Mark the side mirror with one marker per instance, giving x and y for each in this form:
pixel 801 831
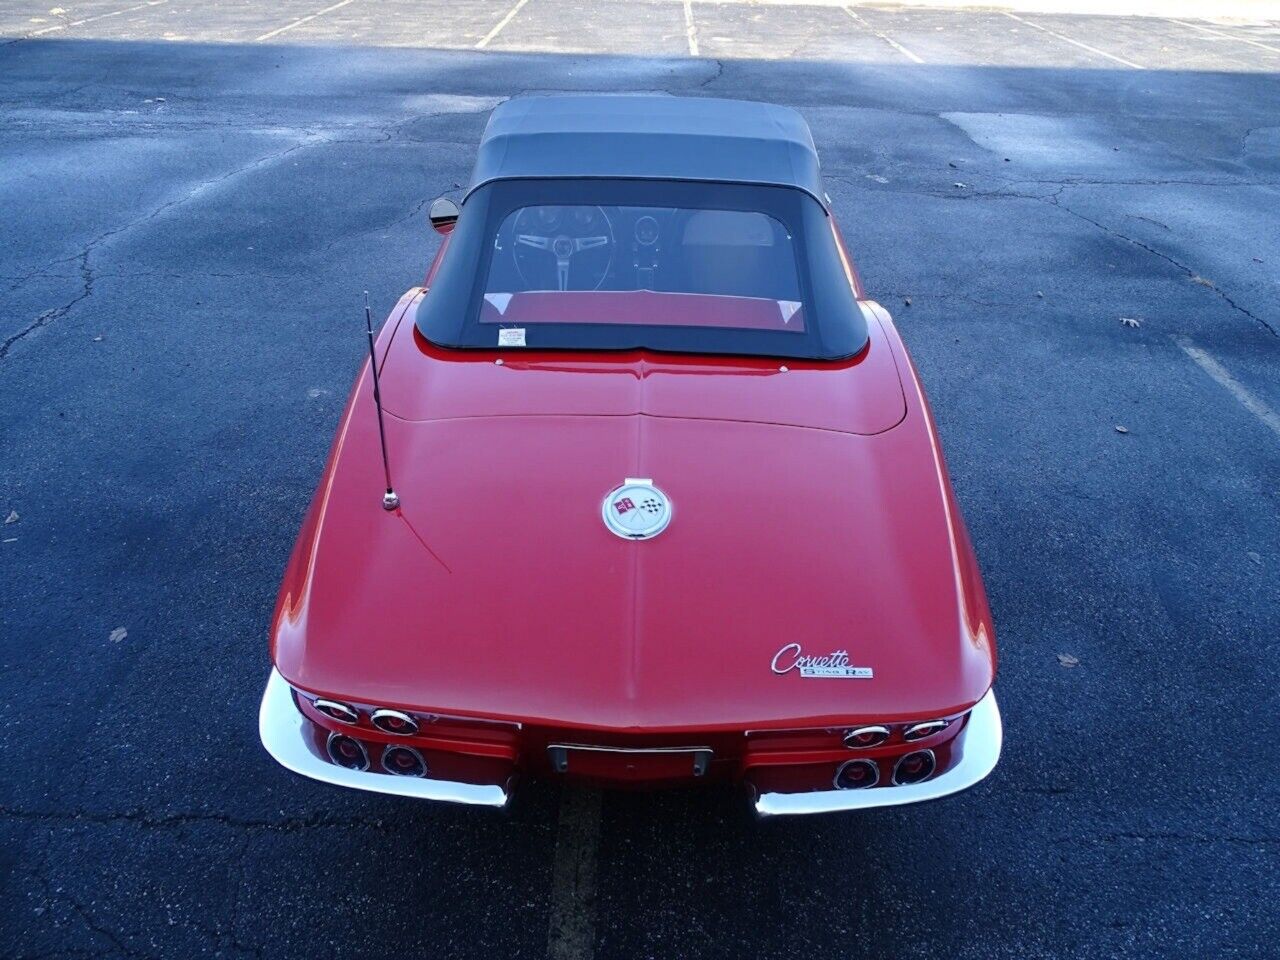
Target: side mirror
pixel 443 214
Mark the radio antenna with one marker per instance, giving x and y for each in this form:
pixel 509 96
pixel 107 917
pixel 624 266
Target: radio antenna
pixel 389 499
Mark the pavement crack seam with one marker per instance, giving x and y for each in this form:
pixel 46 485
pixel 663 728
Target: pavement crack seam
pixel 233 937
pixel 153 821
pixel 716 75
pixel 1148 182
pixel 1189 838
pixel 1055 199
pixel 571 926
pixel 56 313
pixel 86 272
pixel 1190 273
pixel 54 895
pixel 411 215
pixel 380 134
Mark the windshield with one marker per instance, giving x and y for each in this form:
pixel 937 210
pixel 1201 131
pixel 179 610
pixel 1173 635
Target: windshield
pixel 663 265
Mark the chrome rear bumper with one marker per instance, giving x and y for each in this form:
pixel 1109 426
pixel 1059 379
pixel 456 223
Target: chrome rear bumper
pixel 285 735
pixel 982 738
pixel 283 730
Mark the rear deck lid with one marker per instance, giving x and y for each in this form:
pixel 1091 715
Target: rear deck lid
pixel 423 382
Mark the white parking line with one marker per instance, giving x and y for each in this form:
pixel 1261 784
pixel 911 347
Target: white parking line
pixel 571 930
pixel 1237 389
pixel 300 21
pixel 1082 46
pixel 889 40
pixel 101 16
pixel 484 42
pixel 690 31
pixel 1226 36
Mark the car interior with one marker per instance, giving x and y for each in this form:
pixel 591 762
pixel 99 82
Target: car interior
pixel 733 253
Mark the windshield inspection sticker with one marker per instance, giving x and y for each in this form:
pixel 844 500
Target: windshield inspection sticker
pixel 511 337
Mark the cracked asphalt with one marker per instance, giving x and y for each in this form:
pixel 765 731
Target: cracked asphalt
pixel 194 196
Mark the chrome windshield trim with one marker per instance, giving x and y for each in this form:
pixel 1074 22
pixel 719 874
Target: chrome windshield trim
pixel 282 728
pixel 983 735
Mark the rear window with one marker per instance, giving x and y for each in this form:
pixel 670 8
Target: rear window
pixel 663 265
pixel 580 263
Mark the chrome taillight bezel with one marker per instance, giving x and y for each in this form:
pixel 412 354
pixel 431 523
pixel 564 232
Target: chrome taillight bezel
pixel 337 710
pixel 924 730
pixel 392 748
pixel 897 766
pixel 329 749
pixel 860 762
pixel 880 730
pixel 386 713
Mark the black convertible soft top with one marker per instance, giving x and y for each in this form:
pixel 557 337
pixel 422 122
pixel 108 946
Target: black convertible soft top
pixel 648 138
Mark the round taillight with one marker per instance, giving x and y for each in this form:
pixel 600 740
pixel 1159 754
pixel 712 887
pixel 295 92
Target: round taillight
pixel 336 711
pixel 864 737
pixel 404 762
pixel 347 752
pixel 856 774
pixel 914 767
pixel 918 731
pixel 393 721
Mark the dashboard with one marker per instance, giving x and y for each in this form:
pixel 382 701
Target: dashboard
pixel 588 247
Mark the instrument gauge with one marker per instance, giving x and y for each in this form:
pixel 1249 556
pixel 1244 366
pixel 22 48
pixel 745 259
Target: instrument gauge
pixel 646 231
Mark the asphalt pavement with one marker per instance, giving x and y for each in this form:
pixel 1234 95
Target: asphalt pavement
pixel 193 197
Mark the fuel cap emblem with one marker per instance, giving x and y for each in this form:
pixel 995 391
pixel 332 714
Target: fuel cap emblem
pixel 637 510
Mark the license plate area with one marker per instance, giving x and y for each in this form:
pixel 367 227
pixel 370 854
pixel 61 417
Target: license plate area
pixel 629 763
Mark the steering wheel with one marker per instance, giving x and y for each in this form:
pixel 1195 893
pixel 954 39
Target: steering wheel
pixel 575 241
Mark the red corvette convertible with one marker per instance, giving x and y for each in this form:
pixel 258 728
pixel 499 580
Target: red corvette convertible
pixel 638 488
